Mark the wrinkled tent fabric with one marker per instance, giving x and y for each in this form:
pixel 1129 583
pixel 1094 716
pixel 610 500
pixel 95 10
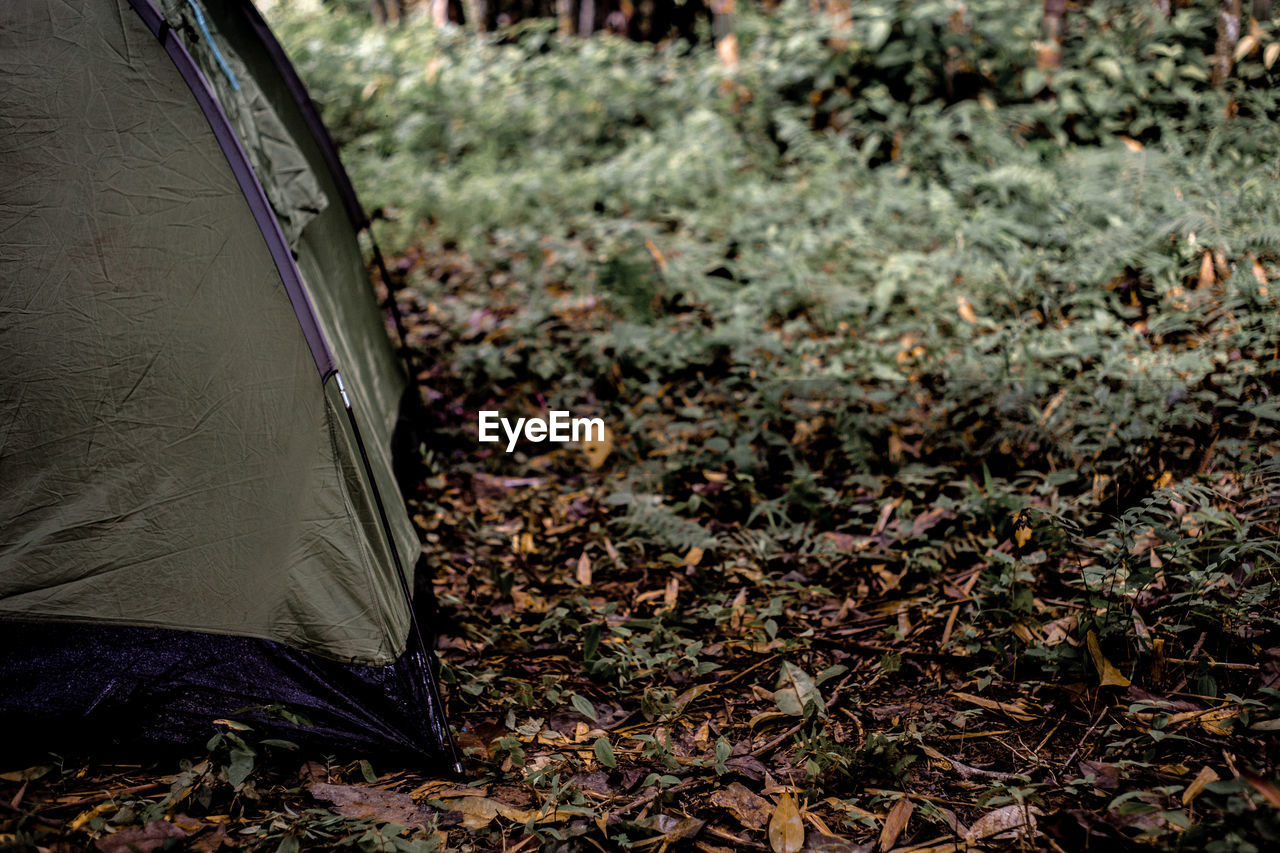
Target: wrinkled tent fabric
pixel 197 395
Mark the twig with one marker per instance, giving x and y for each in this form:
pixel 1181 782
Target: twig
pixel 1080 745
pixel 35 816
pixel 105 796
pixel 1250 667
pixel 773 744
pixel 966 590
pixel 641 802
pixel 968 771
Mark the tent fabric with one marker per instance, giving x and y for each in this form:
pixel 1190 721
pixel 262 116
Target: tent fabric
pixel 283 170
pixel 181 296
pixel 327 256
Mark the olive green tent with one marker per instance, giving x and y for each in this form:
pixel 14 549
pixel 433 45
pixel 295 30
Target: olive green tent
pixel 198 510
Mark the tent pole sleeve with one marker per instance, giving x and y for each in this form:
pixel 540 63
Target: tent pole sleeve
pixel 315 124
pixel 443 730
pixel 250 186
pixel 329 149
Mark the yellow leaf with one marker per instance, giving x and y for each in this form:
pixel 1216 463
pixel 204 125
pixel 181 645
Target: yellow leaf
pixel 1107 672
pixel 1022 528
pixel 895 822
pixel 597 451
pixel 1206 775
pixel 1272 53
pixel 522 543
pixel 693 557
pixel 84 817
pixel 786 830
pixel 965 310
pixel 1132 144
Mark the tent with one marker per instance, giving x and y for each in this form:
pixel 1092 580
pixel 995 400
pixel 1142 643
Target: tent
pixel 199 515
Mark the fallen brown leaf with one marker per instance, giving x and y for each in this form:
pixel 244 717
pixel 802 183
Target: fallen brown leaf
pixel 752 810
pixel 140 839
pixel 895 822
pixel 786 830
pixel 361 802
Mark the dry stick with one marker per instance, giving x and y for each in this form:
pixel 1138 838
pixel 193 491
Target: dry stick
pixel 1249 667
pixel 714 687
pixel 104 796
pixel 35 816
pixel 641 802
pixel 955 610
pixel 1080 745
pixel 968 771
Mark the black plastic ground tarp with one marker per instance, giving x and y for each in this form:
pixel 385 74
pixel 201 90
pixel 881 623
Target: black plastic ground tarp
pixel 121 690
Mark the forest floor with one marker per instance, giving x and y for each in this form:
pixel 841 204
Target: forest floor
pixel 609 690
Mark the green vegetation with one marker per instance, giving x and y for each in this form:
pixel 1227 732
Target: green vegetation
pixel 941 469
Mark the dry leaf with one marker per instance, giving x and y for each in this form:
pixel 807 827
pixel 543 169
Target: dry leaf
pixel 1015 819
pixel 1132 144
pixel 751 810
pixel 140 839
pixel 1060 631
pixel 357 801
pixel 479 812
pixel 1018 710
pixel 1259 273
pixel 1272 53
pixel 597 451
pixel 895 822
pixel 672 592
pixel 584 569
pixel 694 557
pixel 1205 279
pixel 1107 672
pixel 1206 775
pixel 965 310
pixel 786 830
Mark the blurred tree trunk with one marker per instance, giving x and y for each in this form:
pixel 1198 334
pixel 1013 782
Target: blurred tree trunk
pixel 564 17
pixel 586 17
pixel 1261 10
pixel 439 12
pixel 722 29
pixel 473 10
pixel 1228 35
pixel 1049 53
pixel 385 10
pixel 1165 7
